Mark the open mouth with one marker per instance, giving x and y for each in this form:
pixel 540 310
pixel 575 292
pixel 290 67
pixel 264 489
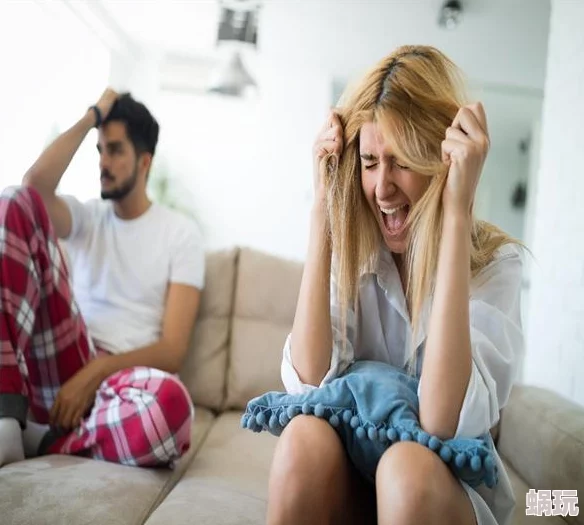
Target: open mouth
pixel 394 219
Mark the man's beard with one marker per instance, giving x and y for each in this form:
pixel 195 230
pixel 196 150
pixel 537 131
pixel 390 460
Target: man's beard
pixel 117 194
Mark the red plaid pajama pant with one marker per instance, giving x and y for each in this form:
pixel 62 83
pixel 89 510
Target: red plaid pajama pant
pixel 141 416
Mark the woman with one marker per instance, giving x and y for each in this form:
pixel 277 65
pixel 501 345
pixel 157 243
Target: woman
pixel 399 271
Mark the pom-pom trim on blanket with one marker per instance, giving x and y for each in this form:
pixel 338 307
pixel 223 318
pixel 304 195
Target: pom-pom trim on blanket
pixel 470 459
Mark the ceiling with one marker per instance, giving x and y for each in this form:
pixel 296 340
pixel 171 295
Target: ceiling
pixel 501 45
pixel 500 42
pixel 184 26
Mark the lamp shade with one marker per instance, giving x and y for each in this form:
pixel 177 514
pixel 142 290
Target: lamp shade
pixel 231 77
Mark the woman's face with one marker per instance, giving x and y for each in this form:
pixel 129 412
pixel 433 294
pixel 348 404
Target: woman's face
pixel 390 187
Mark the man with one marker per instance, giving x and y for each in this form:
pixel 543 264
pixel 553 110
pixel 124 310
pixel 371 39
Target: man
pixel 95 367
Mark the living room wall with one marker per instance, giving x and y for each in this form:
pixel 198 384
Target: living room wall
pixel 555 338
pixel 46 85
pixel 257 191
pixel 242 167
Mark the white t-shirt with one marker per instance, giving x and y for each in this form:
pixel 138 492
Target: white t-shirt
pixel 121 269
pixel 382 332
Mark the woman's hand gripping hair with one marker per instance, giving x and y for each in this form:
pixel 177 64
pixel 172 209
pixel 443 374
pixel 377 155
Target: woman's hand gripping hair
pixel 328 147
pixel 465 149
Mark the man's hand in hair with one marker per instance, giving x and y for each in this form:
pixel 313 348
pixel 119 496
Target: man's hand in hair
pixel 106 102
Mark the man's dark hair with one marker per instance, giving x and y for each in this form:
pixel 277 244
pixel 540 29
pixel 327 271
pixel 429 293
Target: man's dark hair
pixel 141 126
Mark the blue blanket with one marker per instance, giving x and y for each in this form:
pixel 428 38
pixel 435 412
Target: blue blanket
pixel 373 405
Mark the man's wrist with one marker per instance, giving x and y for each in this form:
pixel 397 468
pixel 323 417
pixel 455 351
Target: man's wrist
pixel 105 366
pixel 88 119
pixel 97 115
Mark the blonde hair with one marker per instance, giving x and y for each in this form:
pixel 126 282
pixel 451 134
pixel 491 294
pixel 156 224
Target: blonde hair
pixel 413 95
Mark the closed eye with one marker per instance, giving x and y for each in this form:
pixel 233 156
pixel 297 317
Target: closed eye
pixel 369 167
pixel 401 166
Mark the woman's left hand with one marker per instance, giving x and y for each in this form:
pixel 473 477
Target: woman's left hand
pixel 465 149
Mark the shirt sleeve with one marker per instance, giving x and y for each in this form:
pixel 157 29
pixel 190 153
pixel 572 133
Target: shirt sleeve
pixel 81 217
pixel 496 342
pixel 187 265
pixel 342 354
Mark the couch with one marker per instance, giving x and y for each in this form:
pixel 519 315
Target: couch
pixel 246 312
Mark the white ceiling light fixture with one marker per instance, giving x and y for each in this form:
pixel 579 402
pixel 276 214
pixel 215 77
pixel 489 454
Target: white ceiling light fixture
pixel 237 31
pixel 450 14
pixel 231 77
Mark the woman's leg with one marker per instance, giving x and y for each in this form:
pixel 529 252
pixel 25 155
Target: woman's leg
pixel 312 480
pixel 141 417
pixel 43 339
pixel 415 486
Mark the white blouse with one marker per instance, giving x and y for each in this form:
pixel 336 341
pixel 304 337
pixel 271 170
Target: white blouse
pixel 381 331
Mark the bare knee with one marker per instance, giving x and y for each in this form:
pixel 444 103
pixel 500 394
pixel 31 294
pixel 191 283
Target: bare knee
pixel 308 448
pixel 407 479
pixel 309 471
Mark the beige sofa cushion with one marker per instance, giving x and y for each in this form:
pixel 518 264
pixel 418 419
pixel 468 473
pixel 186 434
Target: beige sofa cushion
pixel 542 438
pixel 226 483
pixel 205 366
pixel 265 302
pixel 520 489
pixel 64 490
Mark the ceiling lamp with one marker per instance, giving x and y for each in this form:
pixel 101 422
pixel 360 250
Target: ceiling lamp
pixel 237 30
pixel 450 14
pixel 231 77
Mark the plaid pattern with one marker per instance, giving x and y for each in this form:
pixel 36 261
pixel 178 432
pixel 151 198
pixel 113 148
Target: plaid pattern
pixel 141 416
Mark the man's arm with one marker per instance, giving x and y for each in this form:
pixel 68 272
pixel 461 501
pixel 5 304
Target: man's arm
pixel 168 353
pixel 46 173
pixel 77 394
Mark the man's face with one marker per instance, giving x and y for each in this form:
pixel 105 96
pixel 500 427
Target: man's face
pixel 118 163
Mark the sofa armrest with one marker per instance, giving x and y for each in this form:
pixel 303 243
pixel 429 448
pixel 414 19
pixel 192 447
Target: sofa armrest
pixel 542 438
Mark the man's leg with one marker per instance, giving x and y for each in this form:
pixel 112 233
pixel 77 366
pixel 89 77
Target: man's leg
pixel 141 417
pixel 11 449
pixel 43 339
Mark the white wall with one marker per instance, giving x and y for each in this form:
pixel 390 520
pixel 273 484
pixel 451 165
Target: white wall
pixel 244 166
pixel 505 167
pixel 511 115
pixel 45 87
pixel 499 41
pixel 555 340
pixel 529 219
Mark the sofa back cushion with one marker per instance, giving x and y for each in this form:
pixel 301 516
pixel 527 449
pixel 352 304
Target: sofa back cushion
pixel 205 365
pixel 542 438
pixel 266 293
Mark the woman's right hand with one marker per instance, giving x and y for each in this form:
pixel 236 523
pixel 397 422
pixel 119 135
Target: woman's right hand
pixel 329 141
